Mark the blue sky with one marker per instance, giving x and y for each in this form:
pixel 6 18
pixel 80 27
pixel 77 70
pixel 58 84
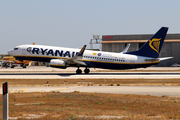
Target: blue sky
pixel 72 23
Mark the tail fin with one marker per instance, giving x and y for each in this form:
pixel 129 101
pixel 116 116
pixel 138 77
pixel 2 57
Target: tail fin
pixel 153 47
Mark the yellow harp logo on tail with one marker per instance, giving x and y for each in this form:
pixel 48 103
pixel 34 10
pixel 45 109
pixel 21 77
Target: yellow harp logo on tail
pixel 154 44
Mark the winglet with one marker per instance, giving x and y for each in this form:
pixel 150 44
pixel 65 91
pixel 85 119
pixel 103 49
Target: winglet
pixel 82 51
pixel 77 59
pixel 126 49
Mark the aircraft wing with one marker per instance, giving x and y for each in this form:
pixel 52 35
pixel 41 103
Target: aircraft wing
pixel 77 59
pixel 126 49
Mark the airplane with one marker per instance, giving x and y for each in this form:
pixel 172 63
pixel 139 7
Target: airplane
pixel 61 57
pixel 10 61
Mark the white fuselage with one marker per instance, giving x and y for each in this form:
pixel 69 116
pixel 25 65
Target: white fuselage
pixel 97 59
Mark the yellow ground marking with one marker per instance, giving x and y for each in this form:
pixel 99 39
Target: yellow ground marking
pixel 63 88
pixel 23 89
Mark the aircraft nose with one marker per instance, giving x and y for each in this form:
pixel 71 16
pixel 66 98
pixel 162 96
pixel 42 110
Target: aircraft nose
pixel 10 52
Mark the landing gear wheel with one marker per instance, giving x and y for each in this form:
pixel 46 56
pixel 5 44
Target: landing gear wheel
pixel 12 66
pixel 21 64
pixel 78 71
pixel 24 66
pixel 86 71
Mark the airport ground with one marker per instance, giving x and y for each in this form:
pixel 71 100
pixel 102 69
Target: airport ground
pixel 150 93
pixel 73 69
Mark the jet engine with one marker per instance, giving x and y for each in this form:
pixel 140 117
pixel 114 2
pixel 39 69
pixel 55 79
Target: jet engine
pixel 58 63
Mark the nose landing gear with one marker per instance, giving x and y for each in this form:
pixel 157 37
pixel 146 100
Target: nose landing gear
pixel 23 65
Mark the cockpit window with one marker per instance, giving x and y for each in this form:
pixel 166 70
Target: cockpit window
pixel 15 48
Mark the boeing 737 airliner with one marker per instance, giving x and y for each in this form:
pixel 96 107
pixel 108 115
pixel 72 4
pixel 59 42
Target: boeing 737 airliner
pixel 62 57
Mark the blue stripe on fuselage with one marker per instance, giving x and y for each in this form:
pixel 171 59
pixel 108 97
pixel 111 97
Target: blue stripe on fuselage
pixel 117 65
pixel 91 63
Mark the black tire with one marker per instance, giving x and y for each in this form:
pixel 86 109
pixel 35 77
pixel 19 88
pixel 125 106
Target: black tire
pixel 86 71
pixel 78 71
pixel 21 64
pixel 24 66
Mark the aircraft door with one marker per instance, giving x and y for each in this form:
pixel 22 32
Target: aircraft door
pixel 24 51
pixel 132 61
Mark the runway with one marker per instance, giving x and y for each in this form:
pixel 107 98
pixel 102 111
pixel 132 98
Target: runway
pixel 51 73
pixel 42 72
pixel 97 75
pixel 173 91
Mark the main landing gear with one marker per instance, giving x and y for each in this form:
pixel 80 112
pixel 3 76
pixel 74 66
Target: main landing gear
pixel 79 71
pixel 86 71
pixel 23 65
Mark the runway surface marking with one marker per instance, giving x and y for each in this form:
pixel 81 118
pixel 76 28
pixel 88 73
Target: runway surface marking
pixel 63 88
pixel 23 89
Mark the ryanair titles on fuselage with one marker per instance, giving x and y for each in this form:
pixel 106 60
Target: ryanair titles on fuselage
pixel 51 52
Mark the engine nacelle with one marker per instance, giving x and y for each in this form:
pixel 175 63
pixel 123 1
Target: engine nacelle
pixel 58 63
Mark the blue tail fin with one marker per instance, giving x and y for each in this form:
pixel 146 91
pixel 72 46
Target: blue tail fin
pixel 153 47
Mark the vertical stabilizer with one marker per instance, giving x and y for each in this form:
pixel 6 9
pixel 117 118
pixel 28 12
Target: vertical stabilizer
pixel 153 46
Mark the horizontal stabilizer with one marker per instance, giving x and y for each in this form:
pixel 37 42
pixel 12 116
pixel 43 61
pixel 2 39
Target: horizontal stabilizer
pixel 165 58
pixel 152 59
pixel 158 59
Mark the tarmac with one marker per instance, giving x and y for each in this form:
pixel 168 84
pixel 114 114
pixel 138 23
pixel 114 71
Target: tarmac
pixel 73 69
pixel 54 73
pixel 89 76
pixel 42 72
